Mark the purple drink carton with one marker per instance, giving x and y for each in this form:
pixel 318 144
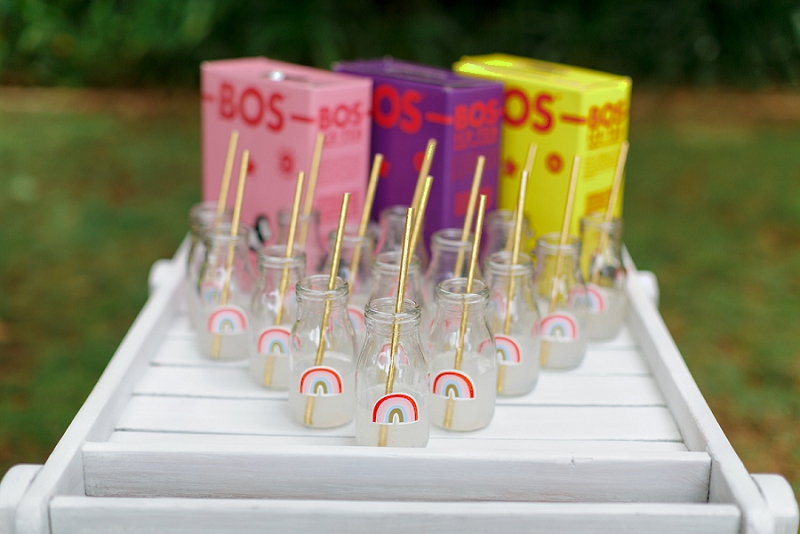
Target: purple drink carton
pixel 412 103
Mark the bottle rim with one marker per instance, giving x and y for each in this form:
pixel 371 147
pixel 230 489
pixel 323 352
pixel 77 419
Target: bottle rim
pixel 221 234
pixel 450 239
pixel 204 213
pixel 350 238
pixel 453 291
pixel 285 216
pixel 381 311
pixel 315 288
pixel 499 263
pixel 596 221
pixel 549 244
pixel 274 256
pixel 393 213
pixel 389 262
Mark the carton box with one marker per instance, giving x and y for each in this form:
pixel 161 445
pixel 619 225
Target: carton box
pixel 278 109
pixel 566 111
pixel 413 103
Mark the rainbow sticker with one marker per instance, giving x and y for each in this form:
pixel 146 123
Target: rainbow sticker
pixel 356 317
pixel 497 304
pixel 485 344
pixel 227 320
pixel 577 296
pixel 559 326
pixel 453 384
pixel 321 381
pixel 508 352
pixel 596 298
pixel 385 355
pixel 209 292
pixel 274 340
pixel 395 409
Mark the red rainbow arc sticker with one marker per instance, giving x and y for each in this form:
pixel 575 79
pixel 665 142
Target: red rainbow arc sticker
pixel 321 381
pixel 596 297
pixel 395 409
pixel 453 384
pixel 356 318
pixel 508 350
pixel 559 327
pixel 227 320
pixel 274 340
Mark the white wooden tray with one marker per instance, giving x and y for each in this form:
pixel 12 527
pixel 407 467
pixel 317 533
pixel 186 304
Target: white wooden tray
pixel 171 442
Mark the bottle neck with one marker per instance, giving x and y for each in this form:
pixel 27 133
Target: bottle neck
pixel 452 295
pixel 273 263
pixel 380 317
pixel 313 293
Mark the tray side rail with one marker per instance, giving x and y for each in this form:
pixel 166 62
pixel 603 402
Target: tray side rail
pixel 62 473
pixel 729 482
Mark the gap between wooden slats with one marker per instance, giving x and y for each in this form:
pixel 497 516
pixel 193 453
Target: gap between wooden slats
pixel 93 515
pixel 552 389
pixel 234 441
pixel 269 417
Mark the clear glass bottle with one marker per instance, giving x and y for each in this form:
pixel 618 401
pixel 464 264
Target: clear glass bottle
pixel 392 222
pixel 445 247
pixel 605 275
pixel 386 274
pixel 312 245
pixel 515 324
pixel 463 382
pixel 499 227
pixel 397 417
pixel 224 333
pixel 270 335
pixel 322 390
pixel 360 283
pixel 200 216
pixel 562 328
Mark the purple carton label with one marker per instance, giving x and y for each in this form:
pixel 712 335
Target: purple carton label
pixel 413 103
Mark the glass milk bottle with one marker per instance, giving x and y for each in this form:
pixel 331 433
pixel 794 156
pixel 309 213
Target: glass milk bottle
pixel 463 374
pixel 270 335
pixel 514 323
pixel 392 222
pixel 223 332
pixel 446 245
pixel 312 245
pixel 605 275
pixel 563 323
pixel 498 229
pixel 360 282
pixel 386 272
pixel 393 414
pixel 201 216
pixel 322 382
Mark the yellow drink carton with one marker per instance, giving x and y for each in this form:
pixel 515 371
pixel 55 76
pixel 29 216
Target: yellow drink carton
pixel 565 111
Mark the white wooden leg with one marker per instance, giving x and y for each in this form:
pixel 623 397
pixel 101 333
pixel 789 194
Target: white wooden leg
pixel 160 271
pixel 780 498
pixel 12 488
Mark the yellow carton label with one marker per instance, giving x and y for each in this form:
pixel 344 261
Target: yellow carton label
pixel 566 111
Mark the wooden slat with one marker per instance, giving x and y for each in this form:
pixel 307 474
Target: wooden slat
pixel 88 515
pixel 183 351
pixel 269 417
pixel 232 441
pixel 552 389
pixel 358 473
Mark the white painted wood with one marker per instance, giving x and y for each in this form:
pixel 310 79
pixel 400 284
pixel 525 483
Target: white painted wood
pixel 361 473
pixel 87 515
pixel 270 418
pixel 12 487
pixel 181 351
pixel 235 441
pixel 649 283
pixel 730 482
pixel 62 473
pixel 602 362
pixel 781 501
pixel 181 328
pixel 553 389
pixel 624 340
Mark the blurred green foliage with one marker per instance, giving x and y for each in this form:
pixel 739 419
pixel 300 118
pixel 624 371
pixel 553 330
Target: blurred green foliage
pixel 157 42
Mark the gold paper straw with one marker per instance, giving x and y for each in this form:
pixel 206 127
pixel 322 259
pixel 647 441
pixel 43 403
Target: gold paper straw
pixel 337 251
pixel 420 214
pixel 573 182
pixel 222 199
pixel 362 227
pixel 424 170
pixel 237 212
pixel 405 258
pixel 308 203
pixel 529 160
pixel 612 202
pixel 473 196
pixel 298 192
pixel 462 329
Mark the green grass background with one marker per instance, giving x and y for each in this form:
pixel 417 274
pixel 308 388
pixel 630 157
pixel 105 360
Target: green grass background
pixel 90 198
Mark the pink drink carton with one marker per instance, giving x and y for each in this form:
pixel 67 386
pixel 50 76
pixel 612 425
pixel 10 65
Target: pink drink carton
pixel 278 109
pixel 412 103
